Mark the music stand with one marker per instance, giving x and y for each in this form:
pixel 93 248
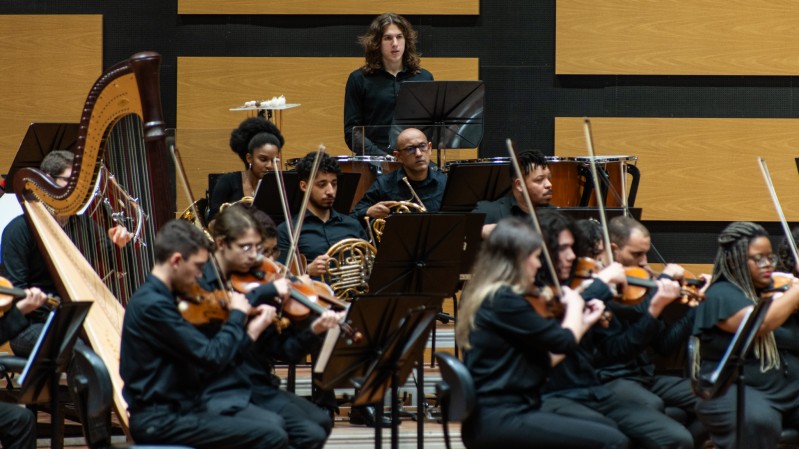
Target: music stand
pixel 395 329
pixel 267 198
pixel 420 254
pixel 449 112
pixel 716 383
pixel 50 357
pixel 469 183
pixel 39 140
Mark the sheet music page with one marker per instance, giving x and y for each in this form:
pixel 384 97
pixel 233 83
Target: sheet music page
pixel 327 349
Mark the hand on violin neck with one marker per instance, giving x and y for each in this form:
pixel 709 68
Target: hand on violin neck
pixel 283 288
pixel 263 318
pixel 326 321
pixel 240 302
pixel 613 274
pixel 673 271
pixel 668 291
pixel 593 312
pixel 34 298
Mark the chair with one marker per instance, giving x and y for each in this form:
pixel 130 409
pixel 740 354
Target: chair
pixel 90 387
pixel 456 393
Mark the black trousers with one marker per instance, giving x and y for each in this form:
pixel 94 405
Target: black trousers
pixel 250 428
pixel 17 427
pixel 764 419
pixel 646 427
pixel 520 426
pixel 22 344
pixel 307 424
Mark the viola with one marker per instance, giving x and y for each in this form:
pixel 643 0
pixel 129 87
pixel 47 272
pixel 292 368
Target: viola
pixel 9 294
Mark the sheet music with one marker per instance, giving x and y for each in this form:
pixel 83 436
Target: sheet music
pixel 327 349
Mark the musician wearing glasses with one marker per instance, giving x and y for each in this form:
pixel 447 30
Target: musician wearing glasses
pixel 371 93
pixel 413 151
pixel 742 273
pixel 322 226
pixel 537 181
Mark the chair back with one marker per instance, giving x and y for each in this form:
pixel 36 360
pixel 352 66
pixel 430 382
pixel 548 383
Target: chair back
pixel 456 393
pixel 90 387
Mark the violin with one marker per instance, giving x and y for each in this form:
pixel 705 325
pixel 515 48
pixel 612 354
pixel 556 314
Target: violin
pixel 638 282
pixel 780 283
pixel 303 298
pixel 545 303
pixel 9 295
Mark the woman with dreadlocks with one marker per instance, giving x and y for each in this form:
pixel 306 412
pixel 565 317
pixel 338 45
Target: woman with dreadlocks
pixel 742 270
pixel 509 349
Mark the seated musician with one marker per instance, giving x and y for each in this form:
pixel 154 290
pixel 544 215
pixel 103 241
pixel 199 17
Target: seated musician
pixel 23 263
pixel 257 142
pixel 574 388
pixel 537 180
pixel 413 151
pixel 371 92
pixel 166 362
pixel 17 423
pixel 742 270
pixel 510 349
pixel 787 263
pixel 322 226
pixel 633 378
pixel 240 240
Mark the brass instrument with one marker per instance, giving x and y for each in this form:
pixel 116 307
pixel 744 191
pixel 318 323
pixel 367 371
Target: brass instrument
pixel 376 226
pixel 349 268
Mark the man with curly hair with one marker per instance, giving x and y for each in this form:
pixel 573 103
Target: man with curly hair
pixel 371 93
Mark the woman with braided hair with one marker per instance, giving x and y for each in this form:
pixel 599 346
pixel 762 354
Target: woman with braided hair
pixel 742 270
pixel 257 142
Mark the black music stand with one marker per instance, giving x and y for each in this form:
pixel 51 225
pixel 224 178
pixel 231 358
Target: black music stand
pixel 469 183
pixel 267 198
pixel 49 358
pixel 450 113
pixel 730 367
pixel 395 329
pixel 39 140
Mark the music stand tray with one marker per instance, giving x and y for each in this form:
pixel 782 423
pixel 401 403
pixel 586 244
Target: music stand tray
pixel 52 351
pixel 267 198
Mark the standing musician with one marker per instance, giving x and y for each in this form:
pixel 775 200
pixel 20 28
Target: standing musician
pixel 633 378
pixel 537 180
pixel 240 240
pixel 574 388
pixel 371 93
pixel 509 349
pixel 413 151
pixel 22 261
pixel 257 142
pixel 166 362
pixel 17 423
pixel 323 226
pixel 742 270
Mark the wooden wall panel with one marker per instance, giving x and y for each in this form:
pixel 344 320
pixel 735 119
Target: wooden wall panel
pixel 49 63
pixel 677 37
pixel 367 7
pixel 698 169
pixel 209 86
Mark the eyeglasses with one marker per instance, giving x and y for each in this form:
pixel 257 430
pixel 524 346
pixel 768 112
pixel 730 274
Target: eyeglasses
pixel 764 260
pixel 246 248
pixel 411 149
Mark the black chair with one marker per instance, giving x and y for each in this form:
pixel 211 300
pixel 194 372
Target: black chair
pixel 90 387
pixel 456 393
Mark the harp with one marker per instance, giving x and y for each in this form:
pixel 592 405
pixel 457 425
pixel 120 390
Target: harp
pixel 119 176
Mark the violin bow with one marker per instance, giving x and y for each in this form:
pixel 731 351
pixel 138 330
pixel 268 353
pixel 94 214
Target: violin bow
pixel 778 207
pixel 295 233
pixel 284 204
pixel 600 202
pixel 530 210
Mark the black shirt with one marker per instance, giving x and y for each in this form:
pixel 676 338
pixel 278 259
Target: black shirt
pixel 498 209
pixel 164 360
pixel 23 264
pixel 369 100
pixel 390 187
pixel 511 342
pixel 723 300
pixel 227 189
pixel 317 236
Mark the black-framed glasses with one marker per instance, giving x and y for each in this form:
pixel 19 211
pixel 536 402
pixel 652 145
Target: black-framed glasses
pixel 411 149
pixel 764 260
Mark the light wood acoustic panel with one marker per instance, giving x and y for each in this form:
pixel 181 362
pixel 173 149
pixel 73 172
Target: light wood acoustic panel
pixel 698 169
pixel 677 37
pixel 209 86
pixel 350 7
pixel 49 63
